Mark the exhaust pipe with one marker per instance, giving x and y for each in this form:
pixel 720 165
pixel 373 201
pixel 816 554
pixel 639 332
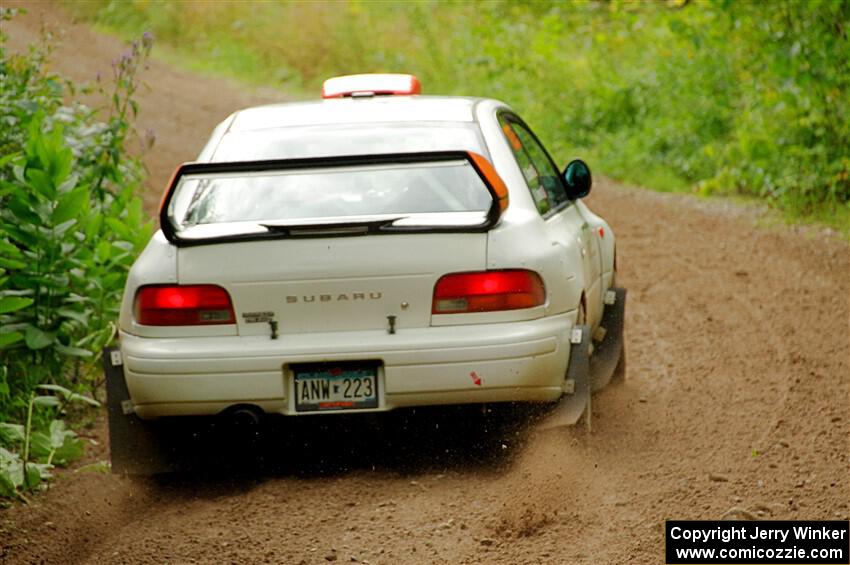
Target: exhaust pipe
pixel 245 417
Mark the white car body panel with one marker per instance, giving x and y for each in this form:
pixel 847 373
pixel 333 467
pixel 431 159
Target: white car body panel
pixel 332 296
pixel 324 284
pixel 386 109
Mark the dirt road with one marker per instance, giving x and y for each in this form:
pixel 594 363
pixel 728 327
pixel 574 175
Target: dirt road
pixel 736 402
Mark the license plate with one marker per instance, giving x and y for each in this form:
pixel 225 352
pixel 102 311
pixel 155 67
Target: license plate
pixel 333 386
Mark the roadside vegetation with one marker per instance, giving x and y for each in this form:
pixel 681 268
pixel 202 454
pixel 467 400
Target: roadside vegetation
pixel 717 97
pixel 70 226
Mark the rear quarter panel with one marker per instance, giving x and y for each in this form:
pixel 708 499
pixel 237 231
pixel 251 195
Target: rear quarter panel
pixel 520 240
pixel 158 265
pixel 606 241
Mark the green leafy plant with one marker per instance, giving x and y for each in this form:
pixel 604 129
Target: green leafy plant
pixel 71 225
pixel 39 451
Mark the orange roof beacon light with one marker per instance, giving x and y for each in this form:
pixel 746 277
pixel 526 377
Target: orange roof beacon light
pixel 352 86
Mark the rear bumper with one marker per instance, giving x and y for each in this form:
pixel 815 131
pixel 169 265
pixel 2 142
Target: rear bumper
pixel 515 361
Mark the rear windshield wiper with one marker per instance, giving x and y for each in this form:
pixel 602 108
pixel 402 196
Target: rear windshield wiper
pixel 333 227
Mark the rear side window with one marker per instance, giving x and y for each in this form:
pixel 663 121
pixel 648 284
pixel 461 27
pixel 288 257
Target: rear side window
pixel 540 174
pixel 448 191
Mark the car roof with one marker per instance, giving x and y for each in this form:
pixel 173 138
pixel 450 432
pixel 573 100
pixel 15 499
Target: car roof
pixel 358 110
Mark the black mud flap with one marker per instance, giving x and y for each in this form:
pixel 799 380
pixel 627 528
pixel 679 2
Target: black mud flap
pixel 134 444
pixel 607 352
pixel 577 394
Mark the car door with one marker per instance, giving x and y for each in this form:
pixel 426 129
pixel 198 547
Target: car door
pixel 564 221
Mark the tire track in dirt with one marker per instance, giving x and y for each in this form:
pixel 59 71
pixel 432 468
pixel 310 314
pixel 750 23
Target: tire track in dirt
pixel 736 396
pixel 775 346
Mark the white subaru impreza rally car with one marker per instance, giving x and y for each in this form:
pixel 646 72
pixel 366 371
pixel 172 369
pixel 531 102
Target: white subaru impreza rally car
pixel 374 250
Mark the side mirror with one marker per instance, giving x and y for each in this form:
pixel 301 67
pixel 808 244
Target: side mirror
pixel 577 179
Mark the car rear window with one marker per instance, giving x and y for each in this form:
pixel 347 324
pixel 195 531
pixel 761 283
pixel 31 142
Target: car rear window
pixel 422 193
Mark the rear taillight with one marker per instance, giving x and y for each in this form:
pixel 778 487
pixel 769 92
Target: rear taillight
pixel 488 291
pixel 183 305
